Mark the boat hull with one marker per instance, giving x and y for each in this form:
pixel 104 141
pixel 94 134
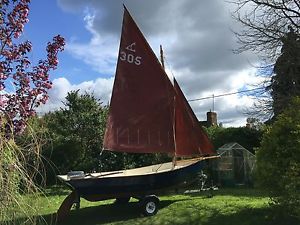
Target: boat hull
pixel 137 185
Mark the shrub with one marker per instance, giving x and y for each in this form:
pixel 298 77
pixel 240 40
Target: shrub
pixel 278 160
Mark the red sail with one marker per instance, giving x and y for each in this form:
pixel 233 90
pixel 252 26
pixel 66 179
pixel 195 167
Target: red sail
pixel 142 104
pixel 142 117
pixel 190 138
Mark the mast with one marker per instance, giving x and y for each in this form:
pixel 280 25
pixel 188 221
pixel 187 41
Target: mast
pixel 162 57
pixel 174 133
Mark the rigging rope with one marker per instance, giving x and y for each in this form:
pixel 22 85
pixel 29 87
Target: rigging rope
pixel 226 94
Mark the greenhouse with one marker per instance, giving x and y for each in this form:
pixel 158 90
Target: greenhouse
pixel 235 165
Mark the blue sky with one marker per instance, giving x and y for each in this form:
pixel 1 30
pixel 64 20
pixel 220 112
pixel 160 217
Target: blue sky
pixel 196 36
pixel 47 19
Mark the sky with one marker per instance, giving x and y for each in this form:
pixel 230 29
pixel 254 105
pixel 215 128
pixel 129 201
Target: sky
pixel 197 38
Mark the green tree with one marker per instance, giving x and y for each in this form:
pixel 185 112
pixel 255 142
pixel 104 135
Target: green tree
pixel 77 133
pixel 285 83
pixel 278 160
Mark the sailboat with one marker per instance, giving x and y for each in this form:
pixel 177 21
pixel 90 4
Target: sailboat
pixel 148 113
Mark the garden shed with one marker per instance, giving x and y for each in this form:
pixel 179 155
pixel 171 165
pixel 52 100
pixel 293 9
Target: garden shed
pixel 235 165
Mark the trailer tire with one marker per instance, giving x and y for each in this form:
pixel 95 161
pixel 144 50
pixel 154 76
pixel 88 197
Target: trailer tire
pixel 150 205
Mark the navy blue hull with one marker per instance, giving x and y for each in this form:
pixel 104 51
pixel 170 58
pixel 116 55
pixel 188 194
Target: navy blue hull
pixel 95 189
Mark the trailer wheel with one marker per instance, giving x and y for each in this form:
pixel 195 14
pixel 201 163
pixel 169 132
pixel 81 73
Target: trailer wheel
pixel 150 205
pixel 122 200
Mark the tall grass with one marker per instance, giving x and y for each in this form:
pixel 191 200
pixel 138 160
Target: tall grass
pixel 20 164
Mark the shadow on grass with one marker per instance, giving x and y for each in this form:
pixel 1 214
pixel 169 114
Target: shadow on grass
pixel 107 213
pixel 111 213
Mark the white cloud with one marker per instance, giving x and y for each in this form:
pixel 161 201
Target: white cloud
pixel 230 108
pixel 100 88
pixel 99 52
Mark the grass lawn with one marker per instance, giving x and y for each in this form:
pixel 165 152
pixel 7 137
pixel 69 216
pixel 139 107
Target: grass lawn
pixel 226 207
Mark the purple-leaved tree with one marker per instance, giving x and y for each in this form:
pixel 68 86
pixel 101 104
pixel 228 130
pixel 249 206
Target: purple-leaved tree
pixel 23 86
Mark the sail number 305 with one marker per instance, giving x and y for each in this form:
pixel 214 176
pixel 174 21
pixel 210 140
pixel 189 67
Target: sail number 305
pixel 128 57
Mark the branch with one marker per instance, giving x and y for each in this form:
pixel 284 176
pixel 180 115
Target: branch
pixel 275 6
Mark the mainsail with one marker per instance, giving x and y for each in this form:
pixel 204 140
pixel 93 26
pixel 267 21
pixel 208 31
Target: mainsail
pixel 149 114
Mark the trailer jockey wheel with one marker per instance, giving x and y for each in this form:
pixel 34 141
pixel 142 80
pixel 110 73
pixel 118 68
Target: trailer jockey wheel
pixel 77 205
pixel 150 205
pixel 76 202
